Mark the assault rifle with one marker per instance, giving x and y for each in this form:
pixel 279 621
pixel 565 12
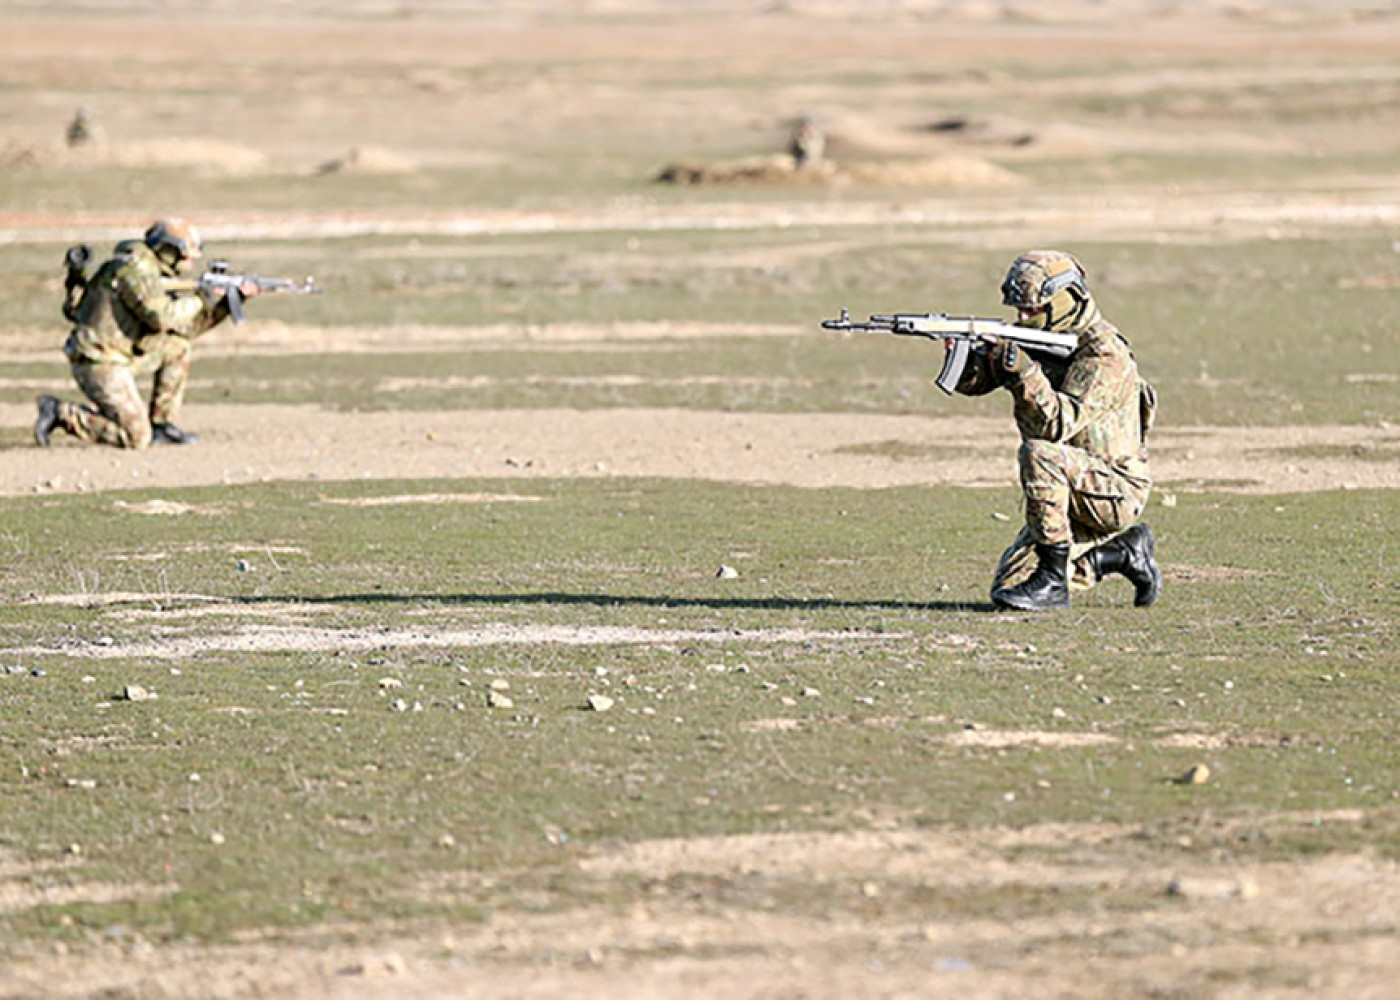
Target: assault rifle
pixel 965 335
pixel 219 281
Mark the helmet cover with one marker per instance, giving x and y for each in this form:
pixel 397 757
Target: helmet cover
pixel 178 235
pixel 1036 276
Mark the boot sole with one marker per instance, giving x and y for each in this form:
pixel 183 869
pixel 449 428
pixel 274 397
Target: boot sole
pixel 1005 603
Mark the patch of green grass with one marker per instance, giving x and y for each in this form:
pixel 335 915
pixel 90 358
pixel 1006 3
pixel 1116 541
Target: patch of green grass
pixel 282 787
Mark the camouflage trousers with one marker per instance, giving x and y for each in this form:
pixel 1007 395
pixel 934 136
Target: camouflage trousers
pixel 117 415
pixel 1071 496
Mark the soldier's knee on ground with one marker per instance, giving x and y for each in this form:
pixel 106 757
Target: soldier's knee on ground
pixel 135 435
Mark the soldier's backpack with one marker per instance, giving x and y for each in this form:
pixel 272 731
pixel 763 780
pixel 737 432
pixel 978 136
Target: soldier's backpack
pixel 1147 406
pixel 75 259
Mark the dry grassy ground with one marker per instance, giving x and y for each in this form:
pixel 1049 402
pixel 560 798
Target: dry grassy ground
pixel 426 86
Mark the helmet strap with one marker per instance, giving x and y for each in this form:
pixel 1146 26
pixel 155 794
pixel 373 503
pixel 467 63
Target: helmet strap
pixel 170 257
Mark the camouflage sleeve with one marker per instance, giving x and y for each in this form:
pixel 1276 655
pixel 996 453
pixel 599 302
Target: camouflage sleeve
pixel 158 309
pixel 1093 385
pixel 210 316
pixel 213 316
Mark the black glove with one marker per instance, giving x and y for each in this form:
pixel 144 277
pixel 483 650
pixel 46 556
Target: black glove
pixel 1008 361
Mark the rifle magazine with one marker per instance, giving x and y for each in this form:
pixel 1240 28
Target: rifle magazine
pixel 954 364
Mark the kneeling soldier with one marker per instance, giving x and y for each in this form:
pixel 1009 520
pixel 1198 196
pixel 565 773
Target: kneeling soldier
pixel 1083 455
pixel 138 315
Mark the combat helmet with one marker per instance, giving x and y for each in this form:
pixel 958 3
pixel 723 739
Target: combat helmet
pixel 1049 288
pixel 174 240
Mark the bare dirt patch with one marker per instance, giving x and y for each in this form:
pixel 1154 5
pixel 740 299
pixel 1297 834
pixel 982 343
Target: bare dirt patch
pixel 169 508
pixel 282 638
pixel 435 499
pixel 945 172
pixel 367 160
pixel 18 891
pixel 1219 741
pixel 882 931
pixel 798 450
pixel 975 737
pixel 1218 574
pixel 115 598
pixel 999 739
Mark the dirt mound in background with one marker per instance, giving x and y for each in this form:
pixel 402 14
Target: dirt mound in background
pixel 858 140
pixel 952 152
pixel 939 172
pixel 1009 140
pixel 956 134
pixel 754 170
pixel 367 160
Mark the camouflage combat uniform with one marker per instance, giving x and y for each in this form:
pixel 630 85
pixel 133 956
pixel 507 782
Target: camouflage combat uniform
pixel 1083 455
pixel 135 318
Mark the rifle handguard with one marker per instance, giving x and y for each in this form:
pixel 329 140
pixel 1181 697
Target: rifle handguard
pixel 964 336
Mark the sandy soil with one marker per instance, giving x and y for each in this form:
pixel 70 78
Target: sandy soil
pixel 250 638
pixel 798 450
pixel 1182 925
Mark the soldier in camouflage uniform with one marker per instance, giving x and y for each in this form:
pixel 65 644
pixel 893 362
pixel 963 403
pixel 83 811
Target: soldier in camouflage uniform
pixel 138 315
pixel 807 143
pixel 1083 455
pixel 82 130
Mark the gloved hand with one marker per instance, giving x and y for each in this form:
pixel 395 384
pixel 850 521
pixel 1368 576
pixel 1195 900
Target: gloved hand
pixel 1008 360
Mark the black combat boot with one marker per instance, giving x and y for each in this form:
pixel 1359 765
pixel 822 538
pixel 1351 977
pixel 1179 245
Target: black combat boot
pixel 1132 554
pixel 1048 586
pixel 170 434
pixel 47 422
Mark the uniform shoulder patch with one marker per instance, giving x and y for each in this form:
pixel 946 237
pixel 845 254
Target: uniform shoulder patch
pixel 1078 380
